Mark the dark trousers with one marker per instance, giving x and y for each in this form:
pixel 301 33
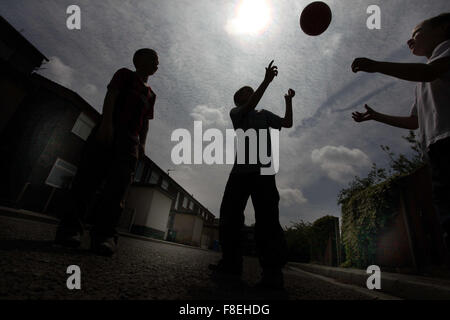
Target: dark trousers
pixel 105 168
pixel 270 242
pixel 439 155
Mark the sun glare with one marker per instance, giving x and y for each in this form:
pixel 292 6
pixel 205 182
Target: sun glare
pixel 252 17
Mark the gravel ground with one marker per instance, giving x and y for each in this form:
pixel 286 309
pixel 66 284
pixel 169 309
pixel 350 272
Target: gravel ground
pixel 32 267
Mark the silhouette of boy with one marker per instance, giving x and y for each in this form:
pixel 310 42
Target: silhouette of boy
pixel 246 181
pixel 110 156
pixel 430 112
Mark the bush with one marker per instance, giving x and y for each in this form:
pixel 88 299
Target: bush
pixel 307 242
pixel 363 215
pixel 298 238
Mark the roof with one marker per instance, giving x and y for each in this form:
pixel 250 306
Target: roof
pixel 67 93
pixel 10 35
pixel 177 184
pixel 153 186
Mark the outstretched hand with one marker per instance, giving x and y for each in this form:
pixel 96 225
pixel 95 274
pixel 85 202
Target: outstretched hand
pixel 368 115
pixel 271 72
pixel 290 94
pixel 364 64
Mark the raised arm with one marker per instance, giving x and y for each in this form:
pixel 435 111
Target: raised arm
pixel 271 73
pixel 410 122
pixel 416 72
pixel 286 122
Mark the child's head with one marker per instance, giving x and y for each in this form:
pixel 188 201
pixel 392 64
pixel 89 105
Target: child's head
pixel 430 33
pixel 242 96
pixel 146 60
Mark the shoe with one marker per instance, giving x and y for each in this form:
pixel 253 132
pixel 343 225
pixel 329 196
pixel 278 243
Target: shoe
pixel 68 239
pixel 104 246
pixel 223 268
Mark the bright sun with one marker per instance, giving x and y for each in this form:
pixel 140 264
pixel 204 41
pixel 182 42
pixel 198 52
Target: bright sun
pixel 252 17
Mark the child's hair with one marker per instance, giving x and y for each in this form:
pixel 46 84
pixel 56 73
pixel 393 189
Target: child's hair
pixel 238 99
pixel 143 53
pixel 440 20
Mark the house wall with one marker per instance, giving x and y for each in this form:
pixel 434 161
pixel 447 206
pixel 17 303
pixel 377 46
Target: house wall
pixel 11 95
pixel 413 240
pixel 159 212
pixel 37 134
pixel 209 235
pixel 182 225
pixel 139 199
pixel 152 209
pixel 197 231
pixel 188 229
pixel 393 248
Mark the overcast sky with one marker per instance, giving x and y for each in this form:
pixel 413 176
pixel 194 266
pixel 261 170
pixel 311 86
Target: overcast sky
pixel 208 50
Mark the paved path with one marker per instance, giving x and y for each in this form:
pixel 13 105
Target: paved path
pixel 31 267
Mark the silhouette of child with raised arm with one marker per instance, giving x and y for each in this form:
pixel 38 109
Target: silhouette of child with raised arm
pixel 246 181
pixel 430 112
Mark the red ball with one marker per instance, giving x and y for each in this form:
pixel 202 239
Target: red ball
pixel 315 18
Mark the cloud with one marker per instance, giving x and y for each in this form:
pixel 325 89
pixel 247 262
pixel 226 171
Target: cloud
pixel 340 163
pixel 292 196
pixel 73 79
pixel 332 44
pixel 59 72
pixel 89 91
pixel 210 116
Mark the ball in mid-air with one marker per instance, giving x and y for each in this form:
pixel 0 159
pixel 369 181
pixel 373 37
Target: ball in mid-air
pixel 315 18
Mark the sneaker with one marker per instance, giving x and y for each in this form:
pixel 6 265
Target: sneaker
pixel 104 246
pixel 68 239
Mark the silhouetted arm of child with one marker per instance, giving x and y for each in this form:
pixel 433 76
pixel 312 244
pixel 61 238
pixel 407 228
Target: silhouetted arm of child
pixel 286 122
pixel 271 72
pixel 143 138
pixel 105 131
pixel 410 122
pixel 417 72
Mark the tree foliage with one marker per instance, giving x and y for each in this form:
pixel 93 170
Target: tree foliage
pixel 298 238
pixel 398 165
pixel 369 203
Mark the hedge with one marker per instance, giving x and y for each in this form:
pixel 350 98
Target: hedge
pixel 364 214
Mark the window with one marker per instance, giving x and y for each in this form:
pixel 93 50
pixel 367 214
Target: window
pixel 83 126
pixel 191 205
pixel 176 201
pixel 139 171
pixel 165 184
pixel 154 177
pixel 61 174
pixel 185 202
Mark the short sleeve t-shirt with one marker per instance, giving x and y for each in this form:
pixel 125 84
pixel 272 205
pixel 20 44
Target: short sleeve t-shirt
pixel 432 103
pixel 135 103
pixel 255 119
